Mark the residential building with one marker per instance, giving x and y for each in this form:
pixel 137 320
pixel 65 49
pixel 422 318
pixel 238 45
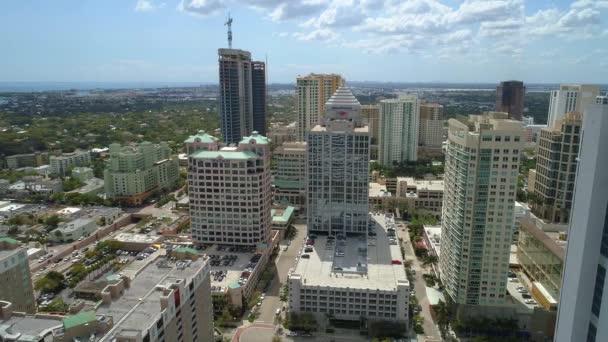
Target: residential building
pixel 398 131
pixel 230 193
pixel 352 279
pixel 61 165
pixel 73 230
pixel 541 256
pixel 18 161
pixel 280 133
pixel 557 154
pixel 481 169
pixel 16 285
pixel 583 310
pixel 312 92
pixel 242 101
pixel 371 117
pixel 570 98
pixel 421 195
pixel 134 172
pixel 290 174
pixel 430 131
pixel 531 132
pixel 510 99
pixel 338 168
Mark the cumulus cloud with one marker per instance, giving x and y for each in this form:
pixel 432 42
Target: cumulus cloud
pixel 324 34
pixel 145 6
pixel 200 7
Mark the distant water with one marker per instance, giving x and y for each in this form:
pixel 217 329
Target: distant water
pixel 50 86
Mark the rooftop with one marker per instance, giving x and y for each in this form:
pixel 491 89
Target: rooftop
pixel 343 96
pixel 28 328
pixel 282 215
pixel 366 263
pixel 79 319
pixel 255 136
pixel 201 137
pixel 139 238
pixel 233 271
pixel 224 153
pixel 378 190
pixel 8 246
pixel 434 236
pixel 431 185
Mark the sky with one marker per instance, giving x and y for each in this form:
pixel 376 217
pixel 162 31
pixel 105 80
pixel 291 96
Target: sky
pixel 537 41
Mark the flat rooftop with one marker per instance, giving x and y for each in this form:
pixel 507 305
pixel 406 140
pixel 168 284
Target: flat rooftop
pixel 232 272
pixel 139 305
pixel 421 184
pixel 139 238
pixel 378 190
pixel 434 235
pixel 366 263
pixel 30 327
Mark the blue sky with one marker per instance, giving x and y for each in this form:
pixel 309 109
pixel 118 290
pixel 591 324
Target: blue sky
pixel 365 40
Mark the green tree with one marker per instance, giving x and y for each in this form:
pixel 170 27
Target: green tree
pixel 51 282
pixel 52 222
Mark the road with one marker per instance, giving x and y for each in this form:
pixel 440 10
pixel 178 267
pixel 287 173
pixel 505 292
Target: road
pixel 283 262
pixel 430 328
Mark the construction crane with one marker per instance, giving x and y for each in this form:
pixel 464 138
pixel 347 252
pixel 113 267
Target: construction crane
pixel 229 24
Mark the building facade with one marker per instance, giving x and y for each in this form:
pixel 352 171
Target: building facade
pixel 60 165
pixel 570 98
pixel 557 154
pixel 430 131
pixel 398 131
pixel 290 174
pixel 242 101
pixel 338 168
pixel 230 193
pixel 134 172
pixel 35 159
pixel 481 169
pixel 16 285
pixel 583 309
pixel 510 99
pixel 312 91
pixel 421 195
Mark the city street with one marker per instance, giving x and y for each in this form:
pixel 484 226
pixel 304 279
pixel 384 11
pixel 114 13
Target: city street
pixel 430 328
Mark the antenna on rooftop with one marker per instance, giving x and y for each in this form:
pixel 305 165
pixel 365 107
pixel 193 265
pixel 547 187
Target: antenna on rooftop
pixel 229 24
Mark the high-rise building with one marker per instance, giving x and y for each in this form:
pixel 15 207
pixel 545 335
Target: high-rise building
pixel 230 192
pixel 16 284
pixel 570 98
pixel 371 117
pixel 60 165
pixel 481 169
pixel 510 99
pixel 430 131
pixel 558 149
pixel 312 92
pixel 133 173
pixel 338 168
pixel 290 173
pixel 583 310
pixel 242 103
pixel 398 130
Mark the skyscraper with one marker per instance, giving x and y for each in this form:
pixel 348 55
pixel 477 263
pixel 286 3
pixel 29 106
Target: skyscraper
pixel 312 92
pixel 230 191
pixel 570 98
pixel 558 148
pixel 371 117
pixel 338 168
pixel 481 169
pixel 242 103
pixel 16 285
pixel 510 98
pixel 583 311
pixel 430 132
pixel 398 130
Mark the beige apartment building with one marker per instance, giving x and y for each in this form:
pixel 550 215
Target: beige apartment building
pixel 15 278
pixel 555 172
pixel 290 174
pixel 371 116
pixel 481 169
pixel 230 192
pixel 312 92
pixel 430 132
pixel 421 195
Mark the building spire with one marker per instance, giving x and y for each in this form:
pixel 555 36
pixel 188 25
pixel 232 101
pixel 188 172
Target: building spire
pixel 229 24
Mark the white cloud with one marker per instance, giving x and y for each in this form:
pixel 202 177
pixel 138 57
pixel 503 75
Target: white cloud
pixel 323 34
pixel 200 7
pixel 145 6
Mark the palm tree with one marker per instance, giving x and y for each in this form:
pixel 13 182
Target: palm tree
pixel 430 260
pixel 442 312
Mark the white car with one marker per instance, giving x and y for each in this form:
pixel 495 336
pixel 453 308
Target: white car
pixel 530 301
pixel 513 280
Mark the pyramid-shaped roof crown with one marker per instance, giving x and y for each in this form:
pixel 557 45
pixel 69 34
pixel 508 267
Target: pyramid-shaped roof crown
pixel 343 106
pixel 343 96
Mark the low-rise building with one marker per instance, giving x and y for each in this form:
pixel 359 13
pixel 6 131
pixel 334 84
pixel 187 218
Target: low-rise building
pixel 432 241
pixel 378 195
pixel 282 219
pixel 60 165
pixel 352 277
pixel 73 230
pixel 93 186
pixel 83 174
pixel 18 161
pixel 422 195
pixel 16 283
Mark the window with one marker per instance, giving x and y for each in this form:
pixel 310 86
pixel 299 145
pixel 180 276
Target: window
pixel 600 278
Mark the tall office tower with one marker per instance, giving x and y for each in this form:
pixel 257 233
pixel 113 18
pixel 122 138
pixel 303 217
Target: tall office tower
pixel 16 285
pixel 312 92
pixel 230 192
pixel 510 98
pixel 583 311
pixel 371 117
pixel 258 83
pixel 290 173
pixel 430 131
pixel 242 103
pixel 338 168
pixel 570 98
pixel 398 130
pixel 558 148
pixel 481 168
